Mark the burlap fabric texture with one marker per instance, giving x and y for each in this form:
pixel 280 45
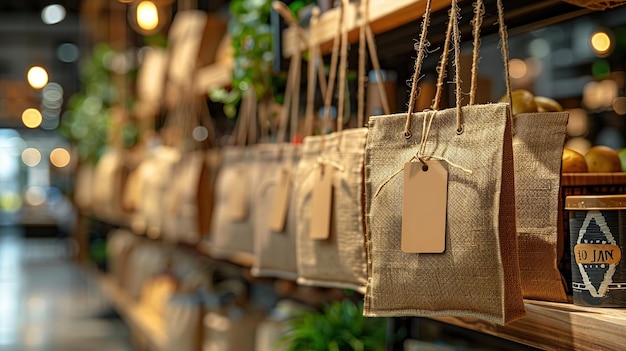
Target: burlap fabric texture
pixel 537 149
pixel 478 274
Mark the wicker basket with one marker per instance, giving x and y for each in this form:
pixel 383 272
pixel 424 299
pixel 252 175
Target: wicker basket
pixel 597 5
pixel 583 184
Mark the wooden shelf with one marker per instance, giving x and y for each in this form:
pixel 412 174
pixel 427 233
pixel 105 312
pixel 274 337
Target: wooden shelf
pixel 559 326
pixel 384 15
pixel 593 179
pixel 240 259
pixel 144 322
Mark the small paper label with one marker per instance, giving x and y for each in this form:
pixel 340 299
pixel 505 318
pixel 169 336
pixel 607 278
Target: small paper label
pixel 597 254
pixel 424 207
pixel 321 204
pixel 238 203
pixel 280 207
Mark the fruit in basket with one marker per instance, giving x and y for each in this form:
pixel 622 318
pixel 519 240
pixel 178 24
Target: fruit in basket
pixel 602 159
pixel 573 162
pixel 523 101
pixel 545 104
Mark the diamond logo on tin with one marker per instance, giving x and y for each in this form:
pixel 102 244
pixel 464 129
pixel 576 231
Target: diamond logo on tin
pixel 597 254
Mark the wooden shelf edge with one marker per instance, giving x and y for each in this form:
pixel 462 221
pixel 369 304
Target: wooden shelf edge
pixel 558 326
pixel 593 179
pixel 148 323
pixel 240 259
pixel 384 15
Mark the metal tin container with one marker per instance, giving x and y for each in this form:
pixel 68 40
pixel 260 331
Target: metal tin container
pixel 597 234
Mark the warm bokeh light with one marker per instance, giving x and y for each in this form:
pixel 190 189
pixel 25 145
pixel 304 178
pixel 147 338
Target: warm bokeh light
pixel 598 95
pixel 60 157
pixel 517 68
pixel 601 43
pixel 31 117
pixel 31 157
pixel 619 105
pixel 147 15
pixel 37 77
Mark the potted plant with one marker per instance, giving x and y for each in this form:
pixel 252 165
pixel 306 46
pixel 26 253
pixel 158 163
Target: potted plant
pixel 339 326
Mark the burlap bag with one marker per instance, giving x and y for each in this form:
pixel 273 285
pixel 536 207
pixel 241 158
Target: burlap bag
pixel 236 181
pixel 275 243
pixel 182 212
pixel 477 275
pixel 108 178
pixel 537 148
pixel 234 236
pixel 338 260
pixel 157 173
pixel 275 251
pixel 538 140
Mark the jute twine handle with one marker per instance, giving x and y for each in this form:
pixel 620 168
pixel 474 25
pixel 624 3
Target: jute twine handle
pixel 289 114
pixel 343 67
pixel 311 82
pixel 245 126
pixel 366 38
pixel 328 96
pixel 453 30
pixel 418 68
pixel 479 12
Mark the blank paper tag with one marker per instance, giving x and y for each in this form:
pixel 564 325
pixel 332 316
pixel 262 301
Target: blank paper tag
pixel 278 216
pixel 321 204
pixel 238 202
pixel 424 207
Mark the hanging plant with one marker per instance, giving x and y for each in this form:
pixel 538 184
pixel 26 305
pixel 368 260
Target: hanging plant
pixel 86 121
pixel 249 28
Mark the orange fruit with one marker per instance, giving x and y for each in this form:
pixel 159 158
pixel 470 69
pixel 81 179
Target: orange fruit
pixel 602 159
pixel 573 162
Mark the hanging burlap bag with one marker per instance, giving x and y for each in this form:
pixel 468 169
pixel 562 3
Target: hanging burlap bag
pixel 232 225
pixel 274 199
pixel 477 273
pixel 337 259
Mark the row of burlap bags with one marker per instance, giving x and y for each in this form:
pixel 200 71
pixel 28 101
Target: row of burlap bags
pixel 265 192
pixel 162 188
pixel 156 185
pixel 472 238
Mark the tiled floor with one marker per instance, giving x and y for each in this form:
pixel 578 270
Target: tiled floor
pixel 49 304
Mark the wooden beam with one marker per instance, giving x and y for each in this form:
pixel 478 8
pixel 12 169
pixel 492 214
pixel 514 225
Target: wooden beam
pixel 384 15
